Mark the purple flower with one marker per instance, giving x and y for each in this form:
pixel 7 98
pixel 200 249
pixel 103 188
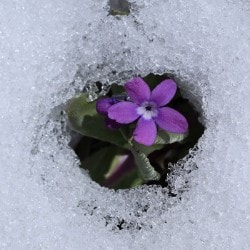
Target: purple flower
pixel 148 107
pixel 102 107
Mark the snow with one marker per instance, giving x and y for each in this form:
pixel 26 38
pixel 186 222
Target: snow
pixel 49 50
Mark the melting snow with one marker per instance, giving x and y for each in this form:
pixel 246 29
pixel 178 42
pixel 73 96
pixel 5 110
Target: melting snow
pixel 49 50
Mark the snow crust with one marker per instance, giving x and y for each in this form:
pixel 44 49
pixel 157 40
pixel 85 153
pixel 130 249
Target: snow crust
pixel 49 50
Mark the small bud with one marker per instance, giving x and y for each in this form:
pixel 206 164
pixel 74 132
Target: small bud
pixel 104 104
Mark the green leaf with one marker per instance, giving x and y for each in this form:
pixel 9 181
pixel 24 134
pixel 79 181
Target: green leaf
pixel 99 163
pixel 168 138
pixel 162 139
pixel 77 108
pixel 85 120
pixel 153 80
pixel 94 126
pixel 117 89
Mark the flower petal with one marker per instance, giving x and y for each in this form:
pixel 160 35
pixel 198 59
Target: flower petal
pixel 138 90
pixel 123 112
pixel 163 93
pixel 171 120
pixel 145 132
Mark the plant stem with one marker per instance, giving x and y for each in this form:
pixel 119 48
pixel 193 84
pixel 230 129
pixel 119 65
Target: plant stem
pixel 146 170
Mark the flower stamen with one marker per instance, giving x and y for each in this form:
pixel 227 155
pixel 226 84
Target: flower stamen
pixel 147 110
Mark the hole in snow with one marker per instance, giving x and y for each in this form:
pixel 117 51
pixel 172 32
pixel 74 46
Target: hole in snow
pixel 97 156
